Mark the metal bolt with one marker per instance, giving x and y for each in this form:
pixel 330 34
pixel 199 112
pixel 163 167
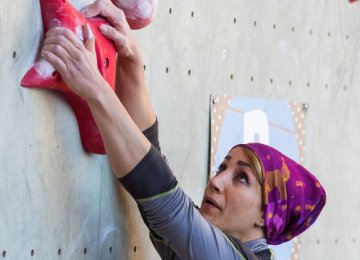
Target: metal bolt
pixel 305 106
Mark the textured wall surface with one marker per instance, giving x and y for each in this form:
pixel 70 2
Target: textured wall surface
pixel 59 202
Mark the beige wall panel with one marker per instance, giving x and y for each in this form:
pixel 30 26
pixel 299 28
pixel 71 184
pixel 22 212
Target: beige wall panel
pixel 54 196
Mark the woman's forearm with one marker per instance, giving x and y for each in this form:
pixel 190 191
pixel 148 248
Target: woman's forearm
pixel 132 92
pixel 77 64
pixel 124 142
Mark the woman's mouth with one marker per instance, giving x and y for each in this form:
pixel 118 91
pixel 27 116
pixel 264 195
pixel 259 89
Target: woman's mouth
pixel 210 202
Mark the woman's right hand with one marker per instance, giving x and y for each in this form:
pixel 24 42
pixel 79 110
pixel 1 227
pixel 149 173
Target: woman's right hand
pixel 119 31
pixel 130 84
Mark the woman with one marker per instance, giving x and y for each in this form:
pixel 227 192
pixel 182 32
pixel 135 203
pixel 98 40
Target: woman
pixel 257 197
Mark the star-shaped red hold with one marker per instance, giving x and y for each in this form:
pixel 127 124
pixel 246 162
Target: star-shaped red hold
pixel 60 13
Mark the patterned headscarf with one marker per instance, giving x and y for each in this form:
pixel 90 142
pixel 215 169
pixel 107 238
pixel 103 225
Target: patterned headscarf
pixel 293 198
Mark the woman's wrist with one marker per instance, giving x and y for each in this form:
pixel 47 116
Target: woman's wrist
pixel 131 71
pixel 97 92
pixel 134 55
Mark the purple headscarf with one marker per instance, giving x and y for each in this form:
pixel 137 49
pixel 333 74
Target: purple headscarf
pixel 293 198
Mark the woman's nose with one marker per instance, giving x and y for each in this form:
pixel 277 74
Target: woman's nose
pixel 218 182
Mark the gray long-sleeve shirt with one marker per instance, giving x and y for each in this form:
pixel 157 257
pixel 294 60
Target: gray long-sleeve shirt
pixel 177 229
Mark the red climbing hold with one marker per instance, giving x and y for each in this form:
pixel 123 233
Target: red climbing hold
pixel 139 13
pixel 42 74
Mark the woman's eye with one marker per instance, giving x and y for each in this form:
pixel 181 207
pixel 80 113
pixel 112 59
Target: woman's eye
pixel 220 169
pixel 242 178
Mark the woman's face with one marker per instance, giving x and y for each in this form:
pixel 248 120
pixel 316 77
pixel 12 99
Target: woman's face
pixel 232 199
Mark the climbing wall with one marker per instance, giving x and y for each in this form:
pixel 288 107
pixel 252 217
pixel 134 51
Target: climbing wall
pixel 58 202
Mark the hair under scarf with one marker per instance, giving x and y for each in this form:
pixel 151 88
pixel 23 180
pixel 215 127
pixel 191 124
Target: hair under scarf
pixel 293 198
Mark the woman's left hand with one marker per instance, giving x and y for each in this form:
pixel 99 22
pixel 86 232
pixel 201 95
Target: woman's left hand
pixel 74 60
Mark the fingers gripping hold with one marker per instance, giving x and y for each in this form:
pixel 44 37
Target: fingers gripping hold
pixel 107 9
pixel 88 34
pixel 57 51
pixel 66 39
pixel 58 64
pixel 137 13
pixel 75 61
pixel 119 31
pixel 92 10
pixel 121 41
pixel 89 39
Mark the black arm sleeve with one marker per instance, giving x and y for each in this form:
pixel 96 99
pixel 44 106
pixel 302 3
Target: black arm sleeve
pixel 152 175
pixel 147 171
pixel 152 134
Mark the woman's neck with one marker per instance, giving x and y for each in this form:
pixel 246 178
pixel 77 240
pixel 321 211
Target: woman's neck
pixel 254 234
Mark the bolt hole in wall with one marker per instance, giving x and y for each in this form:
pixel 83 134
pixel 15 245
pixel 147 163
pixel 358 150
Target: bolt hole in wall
pixel 135 249
pixel 110 250
pixel 32 252
pixel 4 253
pixel 59 251
pixel 192 14
pixel 167 70
pixel 144 67
pixel 14 54
pixel 106 62
pixel 170 11
pixel 189 72
pixel 85 251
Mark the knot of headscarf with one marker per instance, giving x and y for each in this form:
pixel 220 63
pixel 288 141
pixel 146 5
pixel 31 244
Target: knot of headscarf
pixel 293 198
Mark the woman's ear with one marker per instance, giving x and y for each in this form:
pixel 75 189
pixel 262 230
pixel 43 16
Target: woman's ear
pixel 260 222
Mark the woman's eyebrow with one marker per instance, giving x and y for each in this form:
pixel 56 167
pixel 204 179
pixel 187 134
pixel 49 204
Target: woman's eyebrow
pixel 242 163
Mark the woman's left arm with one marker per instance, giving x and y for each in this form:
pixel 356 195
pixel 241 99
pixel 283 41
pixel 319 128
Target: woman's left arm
pixel 130 84
pixel 125 144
